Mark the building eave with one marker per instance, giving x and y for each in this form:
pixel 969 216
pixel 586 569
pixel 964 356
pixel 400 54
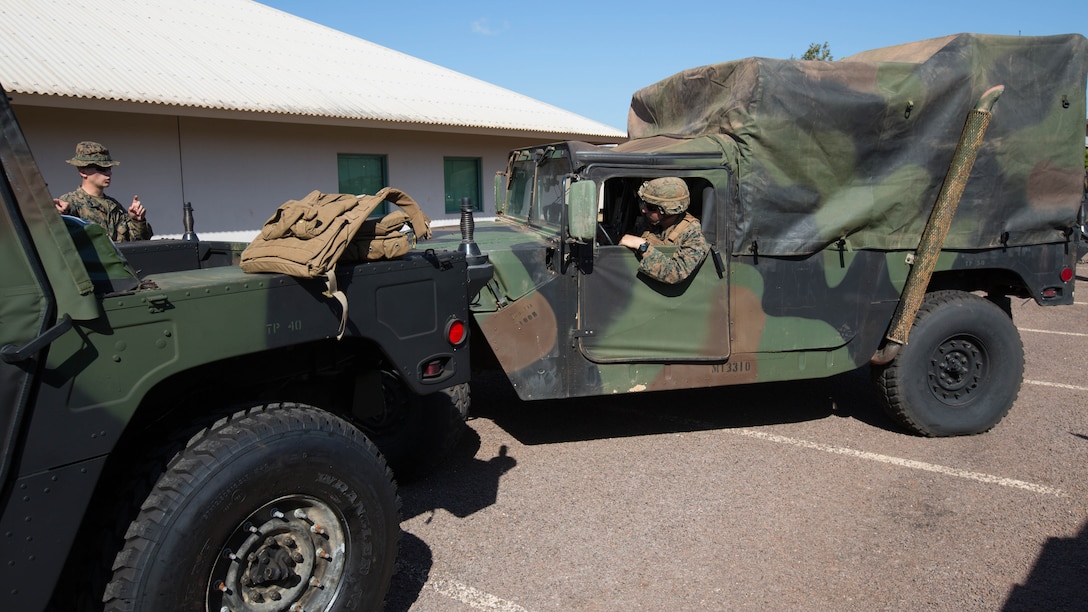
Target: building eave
pixel 125 106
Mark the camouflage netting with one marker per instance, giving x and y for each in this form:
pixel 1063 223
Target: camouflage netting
pixel 858 148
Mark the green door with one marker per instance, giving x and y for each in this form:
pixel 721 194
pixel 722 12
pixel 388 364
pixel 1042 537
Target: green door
pixel 462 180
pixel 627 317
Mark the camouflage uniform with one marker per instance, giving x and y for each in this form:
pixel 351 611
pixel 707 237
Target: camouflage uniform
pixel 102 210
pixel 669 195
pixel 691 248
pixel 107 212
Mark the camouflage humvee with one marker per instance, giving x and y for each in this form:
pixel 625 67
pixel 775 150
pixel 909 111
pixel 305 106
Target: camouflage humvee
pixel 828 192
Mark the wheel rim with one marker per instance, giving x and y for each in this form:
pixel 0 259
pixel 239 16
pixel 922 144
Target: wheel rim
pixel 288 555
pixel 957 370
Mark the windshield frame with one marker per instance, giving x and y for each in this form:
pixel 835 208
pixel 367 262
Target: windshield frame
pixel 536 185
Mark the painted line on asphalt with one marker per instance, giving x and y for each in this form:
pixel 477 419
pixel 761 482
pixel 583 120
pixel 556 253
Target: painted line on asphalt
pixel 898 461
pixel 1044 383
pixel 471 596
pixel 1047 331
pixel 907 463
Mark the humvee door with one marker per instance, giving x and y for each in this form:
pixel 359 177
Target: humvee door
pixel 625 316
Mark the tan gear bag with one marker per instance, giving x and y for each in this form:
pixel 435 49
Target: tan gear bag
pixel 308 237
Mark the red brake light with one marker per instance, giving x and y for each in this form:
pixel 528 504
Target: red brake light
pixel 456 332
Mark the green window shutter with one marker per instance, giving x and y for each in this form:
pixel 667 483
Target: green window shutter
pixel 462 180
pixel 359 174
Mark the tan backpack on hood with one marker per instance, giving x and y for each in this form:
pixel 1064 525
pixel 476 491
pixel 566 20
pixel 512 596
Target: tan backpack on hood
pixel 308 237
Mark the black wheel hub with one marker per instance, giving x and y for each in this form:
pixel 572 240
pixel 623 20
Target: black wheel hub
pixel 273 563
pixel 288 555
pixel 956 370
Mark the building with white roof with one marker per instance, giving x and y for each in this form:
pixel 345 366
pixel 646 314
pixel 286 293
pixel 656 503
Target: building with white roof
pixel 237 107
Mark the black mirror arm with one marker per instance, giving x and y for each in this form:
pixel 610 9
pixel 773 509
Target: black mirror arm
pixel 12 354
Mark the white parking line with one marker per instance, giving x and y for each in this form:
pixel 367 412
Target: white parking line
pixel 471 596
pixel 1047 331
pixel 1044 383
pixel 907 463
pixel 459 591
pixel 899 461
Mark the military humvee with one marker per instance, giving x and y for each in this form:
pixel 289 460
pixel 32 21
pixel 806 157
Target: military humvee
pixel 876 211
pixel 195 437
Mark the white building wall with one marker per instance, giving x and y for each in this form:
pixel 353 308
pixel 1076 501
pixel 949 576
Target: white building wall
pixel 236 173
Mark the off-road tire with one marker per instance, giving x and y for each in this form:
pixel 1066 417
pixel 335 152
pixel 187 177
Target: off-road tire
pixel 959 372
pixel 286 489
pixel 415 433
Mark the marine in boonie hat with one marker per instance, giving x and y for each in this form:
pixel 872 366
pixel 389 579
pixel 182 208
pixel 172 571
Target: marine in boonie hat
pixel 90 153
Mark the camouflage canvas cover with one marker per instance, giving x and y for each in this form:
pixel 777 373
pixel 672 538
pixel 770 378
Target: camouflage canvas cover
pixel 857 149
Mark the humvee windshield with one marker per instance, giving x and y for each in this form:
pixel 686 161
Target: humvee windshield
pixel 545 169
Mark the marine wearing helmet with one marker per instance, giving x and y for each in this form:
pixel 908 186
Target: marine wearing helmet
pixel 666 222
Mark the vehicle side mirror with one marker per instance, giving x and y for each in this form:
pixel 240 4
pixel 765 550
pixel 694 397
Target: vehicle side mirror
pixel 500 193
pixel 582 210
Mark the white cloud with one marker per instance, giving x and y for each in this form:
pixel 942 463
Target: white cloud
pixel 483 27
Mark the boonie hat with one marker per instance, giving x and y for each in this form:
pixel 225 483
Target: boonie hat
pixel 89 153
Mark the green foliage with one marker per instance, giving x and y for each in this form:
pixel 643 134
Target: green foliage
pixel 818 52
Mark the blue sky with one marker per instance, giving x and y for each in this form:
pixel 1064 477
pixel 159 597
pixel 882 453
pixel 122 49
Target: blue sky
pixel 588 57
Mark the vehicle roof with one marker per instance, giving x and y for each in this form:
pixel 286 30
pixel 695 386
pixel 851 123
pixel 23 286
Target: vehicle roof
pixel 859 148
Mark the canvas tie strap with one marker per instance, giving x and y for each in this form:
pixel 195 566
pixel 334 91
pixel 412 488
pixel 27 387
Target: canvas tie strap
pixel 334 292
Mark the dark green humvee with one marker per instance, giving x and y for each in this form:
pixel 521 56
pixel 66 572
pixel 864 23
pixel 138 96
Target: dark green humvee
pixel 879 210
pixel 193 437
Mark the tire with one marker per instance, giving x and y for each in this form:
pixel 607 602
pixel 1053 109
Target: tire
pixel 959 372
pixel 271 507
pixel 415 433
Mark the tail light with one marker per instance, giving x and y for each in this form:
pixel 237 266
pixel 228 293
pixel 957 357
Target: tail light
pixel 456 332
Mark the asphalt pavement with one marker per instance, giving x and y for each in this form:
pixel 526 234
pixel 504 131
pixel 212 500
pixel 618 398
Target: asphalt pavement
pixel 795 496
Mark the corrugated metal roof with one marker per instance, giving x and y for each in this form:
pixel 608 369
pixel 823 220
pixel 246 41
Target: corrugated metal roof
pixel 238 55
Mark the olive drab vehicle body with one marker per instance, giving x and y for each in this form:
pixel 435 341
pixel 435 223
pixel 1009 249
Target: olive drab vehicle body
pixel 191 436
pixel 817 185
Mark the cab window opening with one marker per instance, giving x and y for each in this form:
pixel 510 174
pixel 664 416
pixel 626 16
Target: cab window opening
pixel 622 206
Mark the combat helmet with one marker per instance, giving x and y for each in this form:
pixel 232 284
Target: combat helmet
pixel 670 193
